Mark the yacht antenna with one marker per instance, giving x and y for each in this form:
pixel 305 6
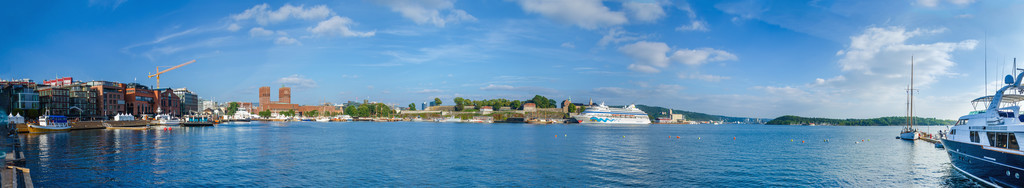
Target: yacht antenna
pixel 986 63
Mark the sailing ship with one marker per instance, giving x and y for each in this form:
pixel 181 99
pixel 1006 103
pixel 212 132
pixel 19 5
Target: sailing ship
pixel 908 132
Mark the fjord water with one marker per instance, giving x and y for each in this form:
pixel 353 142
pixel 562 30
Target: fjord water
pixel 362 154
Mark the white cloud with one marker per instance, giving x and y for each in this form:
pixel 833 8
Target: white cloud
pixel 935 3
pixel 234 27
pixel 928 3
pixel 617 35
pixel 568 45
pixel 701 56
pixel 297 81
pixel 263 15
pixel 260 32
pixel 875 73
pixel 527 89
pixel 338 26
pixel 645 12
pixel 704 77
pixel 286 41
pixel 587 14
pixel 649 57
pixel 695 25
pixel 429 11
pixel 424 91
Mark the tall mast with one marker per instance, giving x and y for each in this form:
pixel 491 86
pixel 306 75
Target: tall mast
pixel 911 91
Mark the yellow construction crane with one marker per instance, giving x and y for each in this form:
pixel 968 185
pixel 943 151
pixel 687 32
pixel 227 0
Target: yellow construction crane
pixel 158 72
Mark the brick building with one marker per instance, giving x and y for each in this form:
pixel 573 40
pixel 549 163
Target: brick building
pixel 110 97
pixel 168 102
pixel 284 103
pixel 139 99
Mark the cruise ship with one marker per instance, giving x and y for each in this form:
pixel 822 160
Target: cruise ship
pixel 602 114
pixel 983 145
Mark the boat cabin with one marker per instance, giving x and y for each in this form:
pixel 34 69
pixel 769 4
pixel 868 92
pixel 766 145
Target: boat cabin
pixel 53 121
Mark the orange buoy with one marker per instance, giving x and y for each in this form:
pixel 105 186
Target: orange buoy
pixel 677 137
pixel 734 138
pixel 556 136
pixel 801 141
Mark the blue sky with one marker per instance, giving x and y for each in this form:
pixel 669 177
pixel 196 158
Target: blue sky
pixel 839 59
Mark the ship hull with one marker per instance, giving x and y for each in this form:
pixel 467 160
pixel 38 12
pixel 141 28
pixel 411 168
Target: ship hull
pixel 909 135
pixel 987 165
pixel 610 120
pixel 43 129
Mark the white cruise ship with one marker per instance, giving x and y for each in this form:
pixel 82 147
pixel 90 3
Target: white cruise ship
pixel 602 114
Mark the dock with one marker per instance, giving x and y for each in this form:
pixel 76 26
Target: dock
pixel 13 173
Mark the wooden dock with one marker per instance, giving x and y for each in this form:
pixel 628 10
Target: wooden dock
pixel 13 173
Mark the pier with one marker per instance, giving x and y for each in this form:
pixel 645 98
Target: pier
pixel 82 125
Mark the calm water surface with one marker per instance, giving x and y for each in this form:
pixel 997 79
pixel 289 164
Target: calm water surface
pixel 361 154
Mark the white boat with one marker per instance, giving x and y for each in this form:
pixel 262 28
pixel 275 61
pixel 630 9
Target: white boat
pixel 602 114
pixel 984 144
pixel 49 123
pixel 323 119
pixel 164 119
pixel 908 132
pixel 450 120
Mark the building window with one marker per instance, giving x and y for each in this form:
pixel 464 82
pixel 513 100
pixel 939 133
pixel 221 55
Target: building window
pixel 974 137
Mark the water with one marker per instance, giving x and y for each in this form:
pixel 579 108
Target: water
pixel 363 154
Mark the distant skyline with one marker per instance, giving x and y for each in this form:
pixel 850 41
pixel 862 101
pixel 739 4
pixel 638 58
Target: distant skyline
pixel 764 59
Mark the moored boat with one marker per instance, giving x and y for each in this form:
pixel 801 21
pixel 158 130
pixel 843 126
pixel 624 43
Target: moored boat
pixel 49 123
pixel 602 114
pixel 983 145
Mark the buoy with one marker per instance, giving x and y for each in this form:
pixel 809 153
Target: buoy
pixel 734 138
pixel 677 137
pixel 623 136
pixel 556 136
pixel 790 140
pixel 563 136
pixel 698 138
pixel 801 141
pixel 862 140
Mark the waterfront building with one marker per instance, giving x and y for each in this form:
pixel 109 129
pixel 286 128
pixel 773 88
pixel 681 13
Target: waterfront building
pixel 530 107
pixel 109 97
pixel 486 110
pixel 18 95
pixel 54 99
pixel 189 101
pixel 168 102
pixel 567 102
pixel 284 103
pixel 59 82
pixel 82 100
pixel 205 105
pixel 139 99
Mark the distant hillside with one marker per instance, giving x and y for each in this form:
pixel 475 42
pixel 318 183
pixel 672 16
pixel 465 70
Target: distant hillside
pixel 655 112
pixel 797 120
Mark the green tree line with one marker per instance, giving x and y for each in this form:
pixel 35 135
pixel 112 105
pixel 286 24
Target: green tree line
pixel 797 120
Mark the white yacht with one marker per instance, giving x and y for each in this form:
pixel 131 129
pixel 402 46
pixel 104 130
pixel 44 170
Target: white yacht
pixel 984 144
pixel 602 114
pixel 164 119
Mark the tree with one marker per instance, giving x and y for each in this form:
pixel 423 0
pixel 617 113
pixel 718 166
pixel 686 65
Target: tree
pixel 572 108
pixel 313 113
pixel 288 113
pixel 265 114
pixel 542 102
pixel 437 101
pixel 232 108
pixel 412 106
pixel 516 104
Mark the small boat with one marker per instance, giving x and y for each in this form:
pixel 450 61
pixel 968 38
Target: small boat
pixel 49 123
pixel 197 122
pixel 450 120
pixel 322 119
pixel 164 119
pixel 539 121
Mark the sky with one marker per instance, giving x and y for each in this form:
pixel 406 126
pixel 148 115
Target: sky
pixel 834 59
